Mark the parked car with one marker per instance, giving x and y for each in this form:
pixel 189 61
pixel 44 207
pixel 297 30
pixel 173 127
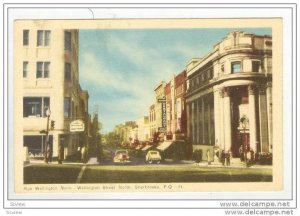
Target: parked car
pixel 121 156
pixel 153 156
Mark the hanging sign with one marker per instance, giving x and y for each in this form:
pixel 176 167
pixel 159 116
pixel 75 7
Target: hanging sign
pixel 77 126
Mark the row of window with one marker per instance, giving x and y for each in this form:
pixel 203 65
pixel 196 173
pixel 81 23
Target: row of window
pixel 236 67
pixel 37 106
pixel 43 70
pixel 202 78
pixel 44 38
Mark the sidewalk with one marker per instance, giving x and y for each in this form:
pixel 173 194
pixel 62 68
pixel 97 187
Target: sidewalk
pixel 234 164
pixel 93 161
pixel 55 162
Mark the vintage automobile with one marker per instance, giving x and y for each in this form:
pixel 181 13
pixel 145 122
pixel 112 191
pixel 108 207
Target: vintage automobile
pixel 121 156
pixel 153 156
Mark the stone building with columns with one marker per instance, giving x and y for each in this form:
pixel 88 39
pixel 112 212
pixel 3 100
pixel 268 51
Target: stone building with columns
pixel 229 95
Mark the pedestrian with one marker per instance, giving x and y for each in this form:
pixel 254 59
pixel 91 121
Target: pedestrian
pixel 222 157
pixel 49 154
pixel 251 156
pixel 60 153
pixel 227 158
pixel 241 153
pixel 78 154
pixel 208 157
pixel 83 154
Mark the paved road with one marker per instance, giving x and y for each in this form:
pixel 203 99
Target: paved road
pixel 140 172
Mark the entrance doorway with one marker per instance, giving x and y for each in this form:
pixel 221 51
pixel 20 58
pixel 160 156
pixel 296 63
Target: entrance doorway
pixel 239 109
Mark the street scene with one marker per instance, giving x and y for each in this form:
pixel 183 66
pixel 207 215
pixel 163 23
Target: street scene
pixel 144 105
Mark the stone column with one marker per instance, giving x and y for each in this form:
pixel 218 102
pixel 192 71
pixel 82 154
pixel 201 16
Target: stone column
pixel 209 121
pixel 203 119
pixel 252 118
pixel 217 119
pixel 227 119
pixel 198 118
pixel 270 116
pixel 221 125
pixel 188 120
pixel 196 121
pixel 193 123
pixel 263 120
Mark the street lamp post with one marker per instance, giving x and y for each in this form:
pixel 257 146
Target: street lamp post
pixel 244 120
pixel 48 113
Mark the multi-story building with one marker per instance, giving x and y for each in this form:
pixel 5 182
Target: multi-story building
pixel 160 108
pixel 143 129
pixel 85 117
pixel 46 72
pixel 169 107
pixel 229 95
pixel 175 99
pixel 180 104
pixel 152 121
pixel 126 133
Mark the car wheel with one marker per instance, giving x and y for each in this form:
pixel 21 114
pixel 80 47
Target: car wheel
pixel 150 161
pixel 158 162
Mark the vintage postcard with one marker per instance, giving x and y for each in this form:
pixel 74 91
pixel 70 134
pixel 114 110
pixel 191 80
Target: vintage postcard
pixel 148 105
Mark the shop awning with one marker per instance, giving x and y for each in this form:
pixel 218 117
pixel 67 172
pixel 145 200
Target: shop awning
pixel 165 145
pixel 138 147
pixel 146 147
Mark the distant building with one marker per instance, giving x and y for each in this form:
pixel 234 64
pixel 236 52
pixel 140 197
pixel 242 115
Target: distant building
pixel 229 95
pixel 126 133
pixel 143 129
pixel 152 121
pixel 47 77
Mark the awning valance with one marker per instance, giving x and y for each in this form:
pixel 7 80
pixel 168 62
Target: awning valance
pixel 147 147
pixel 165 145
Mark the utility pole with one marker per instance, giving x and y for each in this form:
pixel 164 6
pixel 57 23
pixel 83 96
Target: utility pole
pixel 48 113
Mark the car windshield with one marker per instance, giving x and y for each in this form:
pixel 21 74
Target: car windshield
pixel 153 153
pixel 121 152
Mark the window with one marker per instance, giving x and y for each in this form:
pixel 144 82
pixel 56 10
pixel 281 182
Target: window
pixel 67 107
pixel 68 72
pixel 68 41
pixel 222 68
pixel 25 37
pixel 25 69
pixel 255 66
pixel 35 106
pixel 211 73
pixel 204 76
pixel 236 67
pixel 43 38
pixel 42 69
pixel 36 144
pixel 40 38
pixel 47 38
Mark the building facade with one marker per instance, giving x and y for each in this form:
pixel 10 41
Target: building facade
pixel 175 102
pixel 126 133
pixel 160 108
pixel 229 95
pixel 143 129
pixel 46 65
pixel 152 121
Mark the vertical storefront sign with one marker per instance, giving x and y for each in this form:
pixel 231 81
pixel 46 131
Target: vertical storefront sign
pixel 164 114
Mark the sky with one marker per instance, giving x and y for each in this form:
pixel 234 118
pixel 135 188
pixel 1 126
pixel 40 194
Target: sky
pixel 121 68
